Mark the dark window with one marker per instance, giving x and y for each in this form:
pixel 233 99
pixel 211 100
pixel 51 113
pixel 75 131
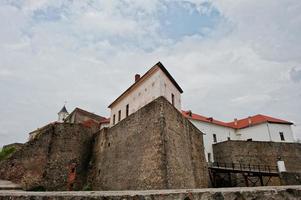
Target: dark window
pixel 119 115
pixel 114 119
pixel 214 138
pixel 127 110
pixel 173 99
pixel 228 138
pixel 281 136
pixel 209 157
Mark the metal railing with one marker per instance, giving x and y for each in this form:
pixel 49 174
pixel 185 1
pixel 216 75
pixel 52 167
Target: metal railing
pixel 244 167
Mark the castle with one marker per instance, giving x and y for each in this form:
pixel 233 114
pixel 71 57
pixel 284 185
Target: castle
pixel 148 142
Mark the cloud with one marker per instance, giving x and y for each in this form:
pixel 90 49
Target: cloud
pixel 233 58
pixel 295 74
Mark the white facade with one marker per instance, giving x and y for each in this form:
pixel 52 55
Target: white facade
pixel 259 132
pixel 152 86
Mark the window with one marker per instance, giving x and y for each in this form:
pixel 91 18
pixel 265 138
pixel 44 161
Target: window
pixel 127 110
pixel 228 138
pixel 119 115
pixel 281 136
pixel 214 138
pixel 114 119
pixel 209 157
pixel 172 99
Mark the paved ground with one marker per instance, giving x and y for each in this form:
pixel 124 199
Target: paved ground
pixel 272 189
pixel 7 185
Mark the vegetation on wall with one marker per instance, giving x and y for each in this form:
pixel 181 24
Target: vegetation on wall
pixel 6 152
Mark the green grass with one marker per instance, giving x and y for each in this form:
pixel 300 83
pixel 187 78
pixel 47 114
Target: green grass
pixel 6 152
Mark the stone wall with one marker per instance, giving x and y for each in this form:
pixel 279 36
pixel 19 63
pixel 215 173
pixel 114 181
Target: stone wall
pixel 47 161
pixel 263 153
pixel 153 148
pixel 259 153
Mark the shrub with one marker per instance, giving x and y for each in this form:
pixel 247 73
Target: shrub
pixel 6 152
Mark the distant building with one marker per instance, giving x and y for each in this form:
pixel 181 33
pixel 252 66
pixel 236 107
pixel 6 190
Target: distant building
pixel 154 83
pixel 63 114
pixel 80 116
pixel 256 128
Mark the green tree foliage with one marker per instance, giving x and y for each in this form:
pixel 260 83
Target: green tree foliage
pixel 6 152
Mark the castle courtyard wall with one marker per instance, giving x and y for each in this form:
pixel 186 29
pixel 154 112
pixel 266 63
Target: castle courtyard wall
pixel 47 161
pixel 153 148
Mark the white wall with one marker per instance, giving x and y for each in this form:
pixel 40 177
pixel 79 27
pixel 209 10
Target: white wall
pixel 153 87
pixel 267 132
pixel 222 134
pixel 258 132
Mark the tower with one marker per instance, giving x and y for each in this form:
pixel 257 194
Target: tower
pixel 62 114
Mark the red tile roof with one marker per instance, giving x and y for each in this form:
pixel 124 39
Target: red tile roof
pixel 190 115
pixel 242 123
pixel 105 121
pixel 257 119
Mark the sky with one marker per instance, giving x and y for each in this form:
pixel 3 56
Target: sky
pixel 233 59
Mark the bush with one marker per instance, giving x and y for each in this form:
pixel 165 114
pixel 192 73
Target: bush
pixel 6 152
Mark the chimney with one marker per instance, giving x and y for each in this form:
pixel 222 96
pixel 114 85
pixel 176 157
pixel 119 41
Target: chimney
pixel 189 113
pixel 210 119
pixel 235 121
pixel 249 120
pixel 137 77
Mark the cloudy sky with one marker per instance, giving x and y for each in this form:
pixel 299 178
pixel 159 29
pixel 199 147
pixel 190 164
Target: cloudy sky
pixel 232 58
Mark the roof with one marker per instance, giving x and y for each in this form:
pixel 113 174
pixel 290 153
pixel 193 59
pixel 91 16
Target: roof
pixel 190 115
pixel 257 119
pixel 242 123
pixel 86 113
pixel 105 121
pixel 144 77
pixel 64 110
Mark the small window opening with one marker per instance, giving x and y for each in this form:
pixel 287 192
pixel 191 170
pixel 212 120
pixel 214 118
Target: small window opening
pixel 228 138
pixel 127 110
pixel 209 157
pixel 114 118
pixel 214 138
pixel 109 144
pixel 281 136
pixel 172 99
pixel 119 115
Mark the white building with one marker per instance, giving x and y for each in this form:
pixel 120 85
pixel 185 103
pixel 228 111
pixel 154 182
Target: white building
pixel 255 128
pixel 158 82
pixel 154 83
pixel 63 114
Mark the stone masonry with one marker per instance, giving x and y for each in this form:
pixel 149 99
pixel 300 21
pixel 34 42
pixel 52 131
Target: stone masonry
pixel 49 161
pixel 255 152
pixel 261 153
pixel 153 148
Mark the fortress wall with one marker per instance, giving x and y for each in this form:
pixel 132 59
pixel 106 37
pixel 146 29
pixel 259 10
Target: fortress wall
pixel 153 148
pixel 46 161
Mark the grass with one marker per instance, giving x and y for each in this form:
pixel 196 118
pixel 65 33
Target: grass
pixel 6 152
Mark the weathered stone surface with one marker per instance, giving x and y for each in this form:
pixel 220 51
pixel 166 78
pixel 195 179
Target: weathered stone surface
pixel 258 193
pixel 259 153
pixel 290 178
pixel 263 153
pixel 154 148
pixel 44 162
